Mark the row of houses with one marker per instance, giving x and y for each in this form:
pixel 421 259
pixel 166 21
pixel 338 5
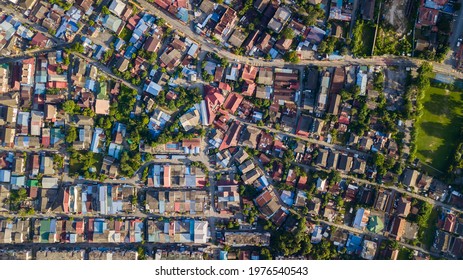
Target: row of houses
pixel 103 230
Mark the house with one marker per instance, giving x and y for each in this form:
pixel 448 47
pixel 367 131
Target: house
pixel 260 5
pixel 322 99
pixel 170 58
pixel 232 102
pixel 240 239
pixel 249 137
pixel 359 166
pixel 361 218
pixel 369 249
pixel 226 22
pixel 321 184
pixel 265 76
pixel 8 136
pixel 122 64
pixel 410 177
pixel 314 206
pixel 280 18
pixel 190 119
pixel 102 107
pixel 265 43
pixel 237 38
pixel 403 207
pixel 398 227
pixel 345 163
pixel 267 202
pixel 283 45
pixel 113 23
pixel 117 7
pixel 152 44
pixel 228 199
pixel 321 158
pixel 427 17
pixel 36 122
pixel 50 112
pixel 368 9
pixel 332 161
pixel 46 165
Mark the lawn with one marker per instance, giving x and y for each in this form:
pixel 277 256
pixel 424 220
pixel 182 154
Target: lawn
pixel 363 35
pixel 438 129
pixel 126 34
pixel 75 165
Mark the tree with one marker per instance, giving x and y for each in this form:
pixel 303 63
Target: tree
pixel 105 10
pixel 291 56
pixel 287 33
pixel 69 106
pixel 265 254
pixel 78 47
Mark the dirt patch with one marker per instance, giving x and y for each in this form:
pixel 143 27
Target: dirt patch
pixel 394 13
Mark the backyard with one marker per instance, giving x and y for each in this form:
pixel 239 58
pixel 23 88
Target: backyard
pixel 438 130
pixel 362 38
pixel 83 161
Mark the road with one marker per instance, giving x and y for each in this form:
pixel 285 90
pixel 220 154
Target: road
pixel 457 29
pixel 377 236
pixel 431 201
pixel 208 45
pixel 307 139
pixel 107 71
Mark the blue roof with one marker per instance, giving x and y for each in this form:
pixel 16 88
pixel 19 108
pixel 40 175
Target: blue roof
pixel 215 17
pixel 353 243
pixel 98 226
pixel 130 50
pixel 223 255
pixel 182 14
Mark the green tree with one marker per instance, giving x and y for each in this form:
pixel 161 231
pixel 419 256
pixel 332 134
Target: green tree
pixel 287 33
pixel 105 10
pixel 291 56
pixel 69 106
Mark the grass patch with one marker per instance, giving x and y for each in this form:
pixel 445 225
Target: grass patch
pixel 427 222
pixel 126 34
pixel 405 254
pixel 76 164
pixel 438 129
pixel 362 39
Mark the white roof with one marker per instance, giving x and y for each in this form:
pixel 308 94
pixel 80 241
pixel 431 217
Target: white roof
pixel 117 7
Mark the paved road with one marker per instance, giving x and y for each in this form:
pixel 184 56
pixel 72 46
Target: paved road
pixel 307 139
pixel 108 71
pixel 377 236
pixel 208 45
pixel 431 201
pixel 457 29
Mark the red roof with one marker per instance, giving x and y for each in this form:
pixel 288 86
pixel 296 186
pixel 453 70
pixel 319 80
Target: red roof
pixel 46 141
pixel 39 40
pixel 58 85
pixel 162 4
pixel 249 73
pixel 428 17
pixel 231 136
pixel 224 86
pixel 232 102
pixel 132 22
pixel 249 88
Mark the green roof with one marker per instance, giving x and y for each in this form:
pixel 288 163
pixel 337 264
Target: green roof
pixel 32 183
pixel 375 224
pixel 44 231
pixel 102 92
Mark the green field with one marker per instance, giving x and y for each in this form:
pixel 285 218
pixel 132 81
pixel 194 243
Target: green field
pixel 438 129
pixel 75 165
pixel 363 36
